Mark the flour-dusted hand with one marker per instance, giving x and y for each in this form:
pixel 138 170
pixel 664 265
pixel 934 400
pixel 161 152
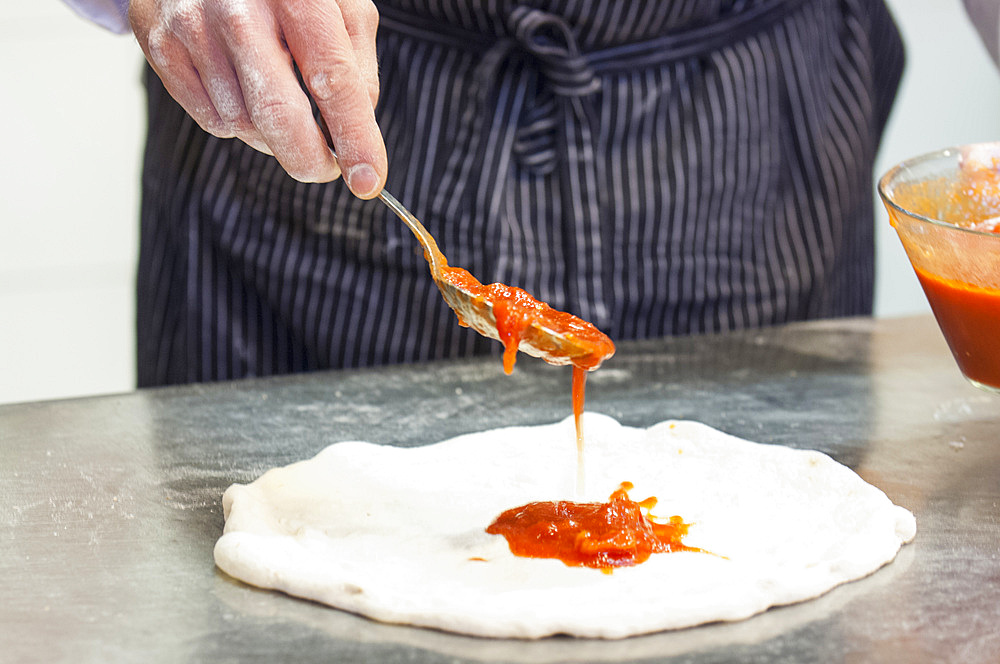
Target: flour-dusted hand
pixel 231 65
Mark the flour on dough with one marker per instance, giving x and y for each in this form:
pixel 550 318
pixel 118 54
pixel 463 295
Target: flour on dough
pixel 398 535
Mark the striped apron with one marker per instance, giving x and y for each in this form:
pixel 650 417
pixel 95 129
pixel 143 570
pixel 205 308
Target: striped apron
pixel 657 167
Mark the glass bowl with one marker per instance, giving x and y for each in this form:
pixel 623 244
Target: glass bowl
pixel 945 207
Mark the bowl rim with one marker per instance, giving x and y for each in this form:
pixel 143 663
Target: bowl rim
pixel 913 161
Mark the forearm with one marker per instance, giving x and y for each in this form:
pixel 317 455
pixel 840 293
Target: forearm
pixel 111 14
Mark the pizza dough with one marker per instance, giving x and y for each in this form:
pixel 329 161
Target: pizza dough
pixel 398 534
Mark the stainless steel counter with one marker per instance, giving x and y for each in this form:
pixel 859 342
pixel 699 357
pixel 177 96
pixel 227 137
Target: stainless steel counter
pixel 110 506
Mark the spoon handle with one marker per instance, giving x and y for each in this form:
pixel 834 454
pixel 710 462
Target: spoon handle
pixel 434 257
pixel 431 252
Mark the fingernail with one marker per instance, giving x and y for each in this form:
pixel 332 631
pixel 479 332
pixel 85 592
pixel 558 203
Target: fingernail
pixel 362 180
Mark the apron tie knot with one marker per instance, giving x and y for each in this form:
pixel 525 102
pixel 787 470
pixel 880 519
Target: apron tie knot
pixel 550 48
pixel 548 39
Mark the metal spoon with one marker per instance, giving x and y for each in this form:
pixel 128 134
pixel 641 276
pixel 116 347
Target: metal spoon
pixel 553 336
pixel 556 337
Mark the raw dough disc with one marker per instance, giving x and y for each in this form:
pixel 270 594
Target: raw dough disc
pixel 398 534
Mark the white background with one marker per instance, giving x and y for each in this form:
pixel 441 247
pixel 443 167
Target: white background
pixel 71 109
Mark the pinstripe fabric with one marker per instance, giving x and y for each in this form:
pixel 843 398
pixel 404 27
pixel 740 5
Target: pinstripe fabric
pixel 657 167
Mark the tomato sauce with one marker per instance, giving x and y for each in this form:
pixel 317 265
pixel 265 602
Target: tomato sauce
pixel 618 533
pixel 969 317
pixel 516 311
pixel 579 388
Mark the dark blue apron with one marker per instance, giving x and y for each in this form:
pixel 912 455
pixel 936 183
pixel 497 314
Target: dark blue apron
pixel 655 167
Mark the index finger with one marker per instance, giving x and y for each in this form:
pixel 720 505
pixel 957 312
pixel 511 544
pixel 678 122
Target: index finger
pixel 338 75
pixel 275 101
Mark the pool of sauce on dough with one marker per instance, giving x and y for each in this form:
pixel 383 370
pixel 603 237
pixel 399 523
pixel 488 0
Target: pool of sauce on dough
pixel 618 533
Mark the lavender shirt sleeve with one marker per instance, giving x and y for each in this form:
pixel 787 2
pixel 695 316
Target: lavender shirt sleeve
pixel 985 16
pixel 111 14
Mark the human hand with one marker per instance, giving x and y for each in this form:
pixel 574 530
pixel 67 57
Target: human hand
pixel 230 64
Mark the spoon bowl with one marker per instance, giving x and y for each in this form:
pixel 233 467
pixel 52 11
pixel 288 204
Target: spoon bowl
pixel 508 314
